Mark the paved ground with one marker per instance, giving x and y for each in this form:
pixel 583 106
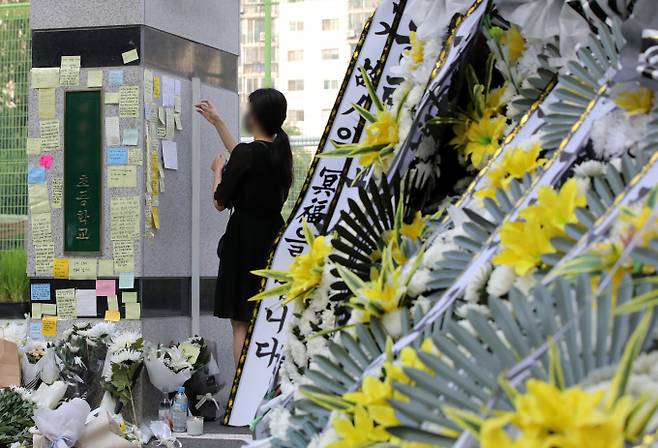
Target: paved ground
pixel 215 436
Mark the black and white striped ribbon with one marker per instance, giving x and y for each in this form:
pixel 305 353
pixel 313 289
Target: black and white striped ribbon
pixel 648 59
pixel 604 9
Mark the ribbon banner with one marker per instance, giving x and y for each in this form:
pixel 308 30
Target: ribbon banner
pixel 267 331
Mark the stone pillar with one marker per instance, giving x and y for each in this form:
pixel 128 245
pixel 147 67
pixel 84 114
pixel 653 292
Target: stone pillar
pixel 176 40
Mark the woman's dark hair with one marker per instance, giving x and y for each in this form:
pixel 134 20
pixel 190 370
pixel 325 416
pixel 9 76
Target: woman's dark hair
pixel 269 108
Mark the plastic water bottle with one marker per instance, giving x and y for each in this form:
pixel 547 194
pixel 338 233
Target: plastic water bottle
pixel 179 411
pixel 164 412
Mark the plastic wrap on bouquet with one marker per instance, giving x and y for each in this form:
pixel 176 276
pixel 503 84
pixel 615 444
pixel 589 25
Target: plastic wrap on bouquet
pixel 201 389
pixel 163 378
pixel 62 427
pixel 49 372
pixel 102 431
pixel 48 396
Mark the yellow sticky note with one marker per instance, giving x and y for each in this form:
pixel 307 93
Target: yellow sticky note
pixel 111 98
pixel 130 56
pixel 38 198
pixel 133 311
pixel 113 315
pixel 61 268
pixel 156 87
pixel 156 217
pixel 49 132
pixel 112 303
pixel 46 104
pixel 49 326
pixel 49 309
pixel 66 306
pixel 57 188
pixel 37 311
pixel 129 297
pixel 129 101
pixel 95 78
pixel 122 176
pixel 33 146
pixel 82 268
pixel 46 77
pixel 106 268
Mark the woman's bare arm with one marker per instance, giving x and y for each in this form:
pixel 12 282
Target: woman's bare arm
pixel 207 110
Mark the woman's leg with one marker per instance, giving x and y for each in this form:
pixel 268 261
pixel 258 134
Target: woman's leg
pixel 239 335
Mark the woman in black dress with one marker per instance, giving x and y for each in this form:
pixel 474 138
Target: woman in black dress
pixel 254 183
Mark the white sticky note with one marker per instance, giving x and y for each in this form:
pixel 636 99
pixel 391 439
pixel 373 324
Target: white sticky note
pixel 95 78
pixel 130 56
pixel 86 302
pixel 170 155
pixel 112 133
pixel 126 280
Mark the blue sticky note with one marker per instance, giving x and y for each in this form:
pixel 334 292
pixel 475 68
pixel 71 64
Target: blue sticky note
pixel 115 78
pixel 36 175
pixel 126 280
pixel 40 291
pixel 117 156
pixel 130 136
pixel 35 329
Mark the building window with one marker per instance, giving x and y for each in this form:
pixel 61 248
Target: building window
pixel 330 54
pixel 330 84
pixel 296 115
pixel 295 55
pixel 329 24
pixel 295 84
pixel 297 25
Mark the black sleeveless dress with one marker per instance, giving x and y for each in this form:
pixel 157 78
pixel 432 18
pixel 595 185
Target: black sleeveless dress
pixel 256 192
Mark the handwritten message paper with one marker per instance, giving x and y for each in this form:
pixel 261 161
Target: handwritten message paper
pixel 44 253
pixel 130 137
pixel 129 297
pixel 156 87
pixel 40 291
pixel 124 218
pixel 66 307
pixel 135 156
pixel 117 156
pixel 112 315
pixel 46 104
pixel 95 78
pixel 33 146
pixel 41 228
pixel 38 198
pixel 130 56
pixel 129 101
pixel 124 256
pixel 69 71
pixel 49 132
pixel 49 308
pixel 61 268
pixel 43 78
pixel 112 134
pixel 57 188
pixel 49 326
pixel 122 176
pixel 82 268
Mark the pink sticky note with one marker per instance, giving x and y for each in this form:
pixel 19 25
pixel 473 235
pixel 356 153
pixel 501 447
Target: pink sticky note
pixel 46 161
pixel 105 288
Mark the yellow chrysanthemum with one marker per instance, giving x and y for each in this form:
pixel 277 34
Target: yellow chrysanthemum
pixel 414 230
pixel 386 295
pixel 514 165
pixel 515 43
pixel 549 417
pixel 384 131
pixel 373 396
pixel 635 102
pixel 483 138
pixel 495 100
pixel 358 432
pixel 306 270
pixel 524 242
pixel 417 51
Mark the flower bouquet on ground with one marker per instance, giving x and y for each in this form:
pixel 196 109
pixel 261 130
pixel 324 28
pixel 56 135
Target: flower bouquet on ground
pixel 33 358
pixel 123 364
pixel 204 383
pixel 16 408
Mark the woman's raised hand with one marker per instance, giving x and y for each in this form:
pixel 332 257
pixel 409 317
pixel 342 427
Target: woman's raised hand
pixel 207 110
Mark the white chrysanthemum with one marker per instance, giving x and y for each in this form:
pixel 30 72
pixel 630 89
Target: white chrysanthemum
pixel 589 168
pixel 477 283
pixel 528 64
pixel 279 422
pixel 125 356
pixel 525 284
pixel 122 341
pixel 324 439
pixel 316 346
pixel 176 360
pixel 501 281
pixel 615 133
pixel 392 322
pixel 100 330
pixel 421 303
pixel 419 282
pixel 464 309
